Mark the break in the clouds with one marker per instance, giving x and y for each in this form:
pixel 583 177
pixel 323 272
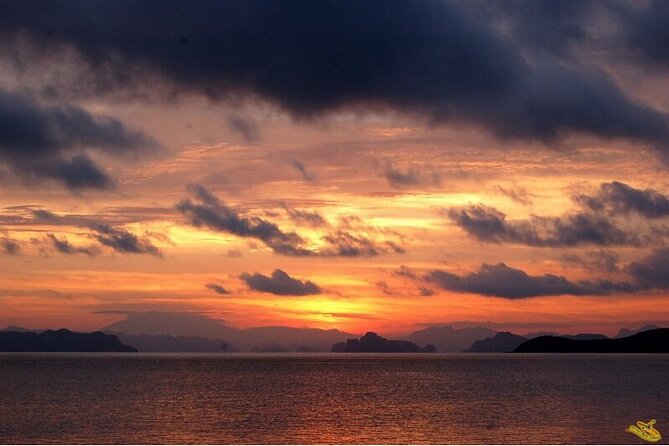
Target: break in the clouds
pixel 280 283
pixel 123 241
pixel 595 223
pixel 41 141
pixel 217 288
pixel 447 61
pixel 204 210
pixel 501 280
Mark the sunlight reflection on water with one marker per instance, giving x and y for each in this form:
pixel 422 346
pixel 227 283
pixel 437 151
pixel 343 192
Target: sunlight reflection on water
pixel 325 398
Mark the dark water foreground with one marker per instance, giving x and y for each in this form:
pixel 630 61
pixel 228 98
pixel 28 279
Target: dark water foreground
pixel 340 398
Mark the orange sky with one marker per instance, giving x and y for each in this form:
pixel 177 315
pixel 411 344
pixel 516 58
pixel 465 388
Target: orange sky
pixel 348 158
pixel 438 163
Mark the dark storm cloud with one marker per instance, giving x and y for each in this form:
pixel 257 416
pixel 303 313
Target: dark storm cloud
pixel 36 139
pixel 620 198
pixel 617 31
pixel 79 172
pixel 65 247
pixel 543 24
pixel 280 284
pixel 503 281
pixel 216 288
pixel 244 126
pixel 444 60
pixel 205 210
pixel 302 169
pixel 123 241
pixel 643 31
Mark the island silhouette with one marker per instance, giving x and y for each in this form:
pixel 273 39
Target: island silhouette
pixel 373 343
pixel 62 340
pixel 280 339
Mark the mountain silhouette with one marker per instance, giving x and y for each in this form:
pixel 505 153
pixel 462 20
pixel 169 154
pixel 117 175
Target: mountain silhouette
pixel 652 341
pixel 167 331
pixel 19 329
pixel 60 341
pixel 585 336
pixel 169 323
pixel 449 339
pixel 505 341
pixel 373 343
pixel 624 332
pixel 175 344
pixel 502 342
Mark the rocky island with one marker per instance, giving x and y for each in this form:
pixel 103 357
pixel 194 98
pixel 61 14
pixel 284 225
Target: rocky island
pixel 373 343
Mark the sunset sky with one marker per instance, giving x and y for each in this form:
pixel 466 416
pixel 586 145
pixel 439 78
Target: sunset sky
pixel 376 165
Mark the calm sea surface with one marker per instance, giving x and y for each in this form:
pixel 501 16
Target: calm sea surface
pixel 325 398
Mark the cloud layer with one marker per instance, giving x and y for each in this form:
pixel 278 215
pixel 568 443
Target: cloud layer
pixel 449 61
pixel 646 274
pixel 596 222
pixel 503 281
pixel 47 141
pixel 204 210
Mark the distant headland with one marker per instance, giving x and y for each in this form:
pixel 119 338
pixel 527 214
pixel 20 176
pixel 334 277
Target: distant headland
pixel 651 341
pixel 373 343
pixel 60 341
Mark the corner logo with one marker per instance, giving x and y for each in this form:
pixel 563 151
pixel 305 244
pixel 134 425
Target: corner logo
pixel 645 431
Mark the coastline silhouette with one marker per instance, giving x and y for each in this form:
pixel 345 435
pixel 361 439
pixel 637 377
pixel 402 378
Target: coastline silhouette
pixel 61 341
pixel 651 341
